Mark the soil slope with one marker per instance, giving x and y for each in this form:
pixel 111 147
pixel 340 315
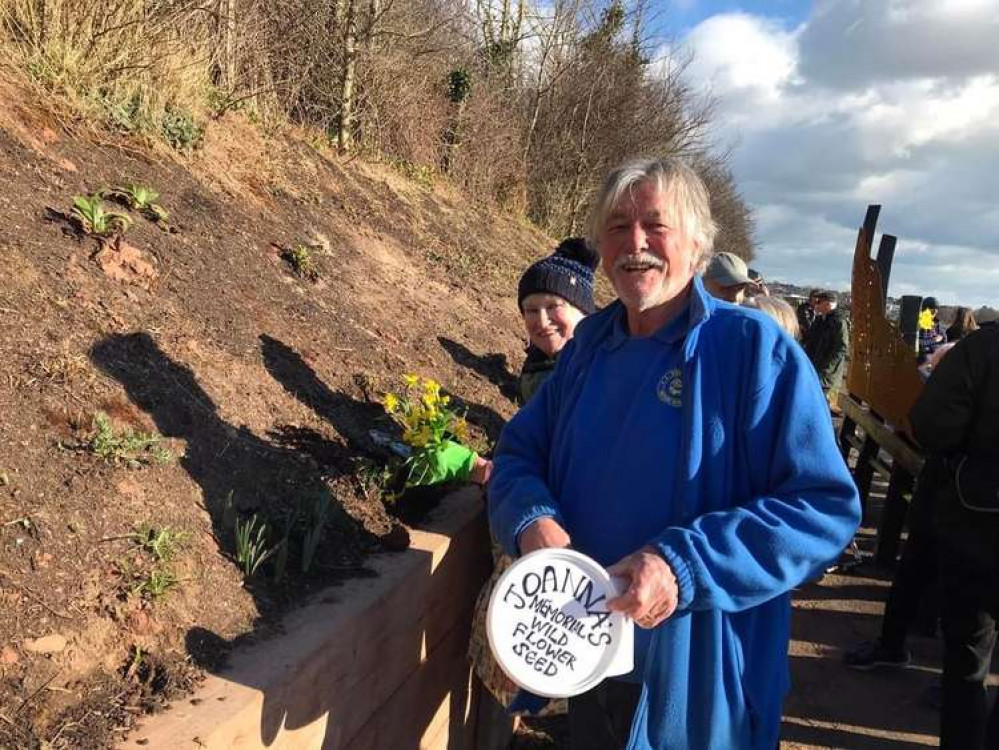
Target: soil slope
pixel 263 384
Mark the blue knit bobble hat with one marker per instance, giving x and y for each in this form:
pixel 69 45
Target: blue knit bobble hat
pixel 567 273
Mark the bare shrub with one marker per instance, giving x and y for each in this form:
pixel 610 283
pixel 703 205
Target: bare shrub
pixel 128 59
pixel 551 94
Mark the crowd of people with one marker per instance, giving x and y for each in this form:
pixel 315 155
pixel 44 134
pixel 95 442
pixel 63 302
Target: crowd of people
pixel 681 437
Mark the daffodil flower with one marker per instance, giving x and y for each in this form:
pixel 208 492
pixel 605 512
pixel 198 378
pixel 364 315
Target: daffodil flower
pixel 461 429
pixel 926 320
pixel 391 403
pixel 410 380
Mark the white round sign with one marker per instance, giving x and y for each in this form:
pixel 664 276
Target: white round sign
pixel 549 627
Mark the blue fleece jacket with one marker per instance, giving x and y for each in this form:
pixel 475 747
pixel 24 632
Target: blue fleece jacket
pixel 749 498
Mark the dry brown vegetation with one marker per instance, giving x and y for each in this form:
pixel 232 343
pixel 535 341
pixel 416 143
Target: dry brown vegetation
pixel 521 105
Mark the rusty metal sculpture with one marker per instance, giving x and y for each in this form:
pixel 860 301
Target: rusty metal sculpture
pixel 883 372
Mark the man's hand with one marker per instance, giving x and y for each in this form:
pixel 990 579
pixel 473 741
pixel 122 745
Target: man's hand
pixel 545 532
pixel 652 594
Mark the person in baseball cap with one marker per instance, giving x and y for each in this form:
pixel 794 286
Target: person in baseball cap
pixel 727 278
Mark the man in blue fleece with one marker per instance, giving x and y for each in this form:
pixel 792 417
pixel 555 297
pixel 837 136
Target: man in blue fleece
pixel 686 443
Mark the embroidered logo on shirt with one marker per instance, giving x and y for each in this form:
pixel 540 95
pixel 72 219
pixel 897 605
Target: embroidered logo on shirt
pixel 670 388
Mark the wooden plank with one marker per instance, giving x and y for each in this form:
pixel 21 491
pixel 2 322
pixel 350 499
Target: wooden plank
pixel 847 438
pixel 900 449
pixel 863 472
pixel 893 516
pixel 881 468
pixel 871 224
pixel 342 658
pixel 431 709
pixel 886 253
pixel 856 442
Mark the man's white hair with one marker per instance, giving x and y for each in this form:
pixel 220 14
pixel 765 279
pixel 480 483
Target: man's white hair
pixel 689 202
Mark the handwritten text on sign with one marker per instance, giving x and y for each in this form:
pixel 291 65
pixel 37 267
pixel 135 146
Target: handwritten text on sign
pixel 559 614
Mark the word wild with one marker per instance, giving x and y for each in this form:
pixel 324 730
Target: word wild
pixel 547 637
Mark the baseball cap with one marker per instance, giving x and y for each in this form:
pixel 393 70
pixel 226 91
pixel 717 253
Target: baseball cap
pixel 728 270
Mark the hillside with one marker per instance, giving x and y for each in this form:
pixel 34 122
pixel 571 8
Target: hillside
pixel 116 572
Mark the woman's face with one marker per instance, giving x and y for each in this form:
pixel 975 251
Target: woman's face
pixel 550 321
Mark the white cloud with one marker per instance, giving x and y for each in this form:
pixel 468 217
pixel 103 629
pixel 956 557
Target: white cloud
pixel 824 125
pixel 847 43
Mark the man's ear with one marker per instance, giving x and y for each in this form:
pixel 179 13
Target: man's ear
pixel 698 259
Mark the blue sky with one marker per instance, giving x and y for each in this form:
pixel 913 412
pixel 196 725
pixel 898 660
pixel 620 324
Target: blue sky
pixel 679 16
pixel 833 104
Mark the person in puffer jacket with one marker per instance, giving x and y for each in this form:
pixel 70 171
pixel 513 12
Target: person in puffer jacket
pixel 685 443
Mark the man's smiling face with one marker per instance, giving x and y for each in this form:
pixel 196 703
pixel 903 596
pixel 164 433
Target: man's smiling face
pixel 648 259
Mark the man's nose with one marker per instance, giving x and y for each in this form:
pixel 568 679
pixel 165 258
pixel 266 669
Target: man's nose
pixel 637 239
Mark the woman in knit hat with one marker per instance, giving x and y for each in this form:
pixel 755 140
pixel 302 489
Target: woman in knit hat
pixel 554 294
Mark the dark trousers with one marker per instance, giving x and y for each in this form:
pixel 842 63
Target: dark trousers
pixel 917 575
pixel 493 725
pixel 914 584
pixel 600 719
pixel 969 614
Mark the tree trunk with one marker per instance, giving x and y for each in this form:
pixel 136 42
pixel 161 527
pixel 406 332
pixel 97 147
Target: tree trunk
pixel 345 135
pixel 577 181
pixel 338 11
pixel 229 65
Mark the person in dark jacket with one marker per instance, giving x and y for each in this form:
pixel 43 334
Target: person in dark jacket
pixel 828 342
pixel 806 314
pixel 554 294
pixel 956 419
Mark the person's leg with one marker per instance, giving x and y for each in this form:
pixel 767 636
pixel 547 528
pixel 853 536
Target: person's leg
pixel 992 733
pixel 493 725
pixel 914 578
pixel 969 635
pixel 600 719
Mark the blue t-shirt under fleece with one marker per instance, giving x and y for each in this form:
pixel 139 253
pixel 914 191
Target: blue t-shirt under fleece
pixel 633 387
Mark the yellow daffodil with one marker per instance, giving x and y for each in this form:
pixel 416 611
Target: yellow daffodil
pixel 445 400
pixel 391 403
pixel 418 438
pixel 410 380
pixel 926 320
pixel 414 417
pixel 431 387
pixel 461 429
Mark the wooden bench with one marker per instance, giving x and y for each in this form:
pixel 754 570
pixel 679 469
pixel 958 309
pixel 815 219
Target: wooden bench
pixel 904 463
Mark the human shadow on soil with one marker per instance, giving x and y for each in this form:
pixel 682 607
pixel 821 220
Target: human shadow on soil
pixel 375 664
pixel 865 591
pixel 350 417
pixel 238 472
pixel 833 706
pixel 818 736
pixel 493 367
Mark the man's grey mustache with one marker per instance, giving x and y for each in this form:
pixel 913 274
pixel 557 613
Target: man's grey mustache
pixel 639 258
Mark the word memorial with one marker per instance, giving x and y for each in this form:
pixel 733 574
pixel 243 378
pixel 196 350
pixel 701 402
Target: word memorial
pixel 549 626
